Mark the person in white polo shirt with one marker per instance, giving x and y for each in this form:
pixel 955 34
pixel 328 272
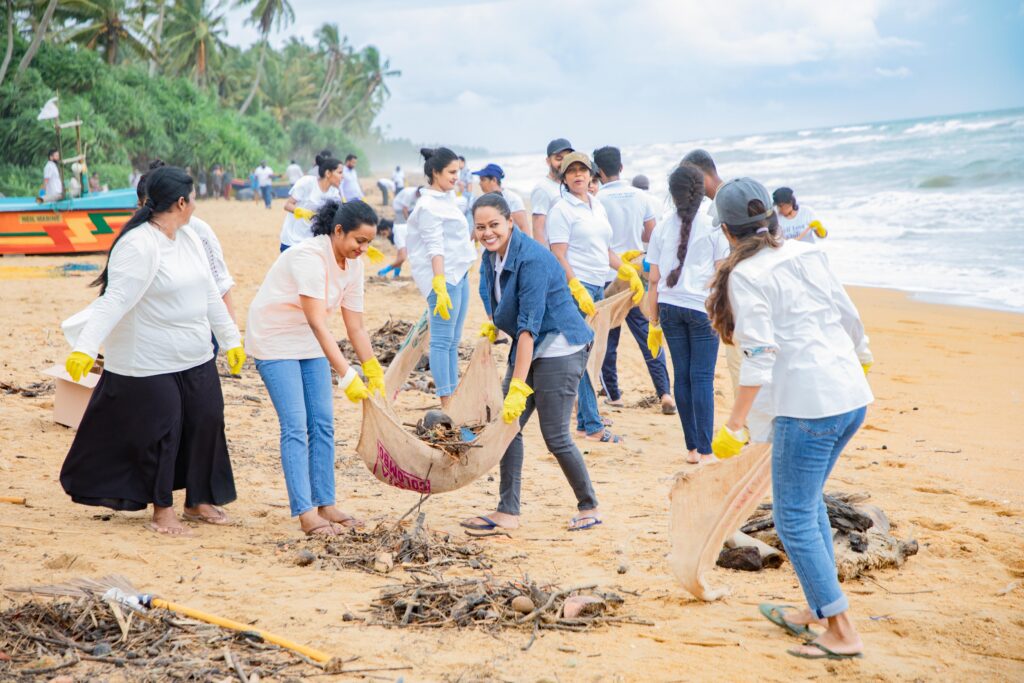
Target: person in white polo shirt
pixel 632 224
pixel 264 177
pixel 52 188
pixel 350 188
pixel 549 189
pixel 306 198
pixel 580 237
pixel 293 172
pixel 491 176
pixel 405 202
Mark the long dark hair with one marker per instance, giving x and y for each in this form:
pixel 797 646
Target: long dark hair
pixel 495 201
pixel 164 187
pixel 686 186
pixel 436 160
pixel 349 216
pixel 750 239
pixel 325 164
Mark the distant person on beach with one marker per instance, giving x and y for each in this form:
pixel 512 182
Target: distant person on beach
pixel 440 254
pixel 52 188
pixel 306 198
pixel 265 182
pixel 632 224
pixel 803 386
pixel 293 172
pixel 217 181
pixel 155 422
pixel 797 222
pixel 229 178
pixel 525 295
pixel 397 234
pixel 398 178
pixel 94 182
pixel 294 350
pixel 385 185
pixel 703 161
pixel 580 235
pixel 405 202
pixel 350 188
pixel 549 189
pixel 491 176
pixel 684 252
pixel 642 182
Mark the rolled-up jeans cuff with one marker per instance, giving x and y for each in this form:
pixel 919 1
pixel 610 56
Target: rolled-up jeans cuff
pixel 833 608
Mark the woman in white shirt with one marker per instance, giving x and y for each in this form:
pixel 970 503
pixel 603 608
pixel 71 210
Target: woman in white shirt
pixel 803 380
pixel 294 350
pixel 682 254
pixel 440 254
pixel 797 222
pixel 396 233
pixel 306 197
pixel 155 422
pixel 580 237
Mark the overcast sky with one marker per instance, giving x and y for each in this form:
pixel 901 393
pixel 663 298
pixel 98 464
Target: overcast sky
pixel 509 75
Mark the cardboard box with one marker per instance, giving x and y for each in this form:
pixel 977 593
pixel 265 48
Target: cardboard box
pixel 71 397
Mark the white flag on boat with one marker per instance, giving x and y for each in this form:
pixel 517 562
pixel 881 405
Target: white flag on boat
pixel 49 110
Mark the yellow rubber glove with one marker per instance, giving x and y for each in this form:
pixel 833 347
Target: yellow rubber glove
pixel 628 256
pixel 374 376
pixel 865 367
pixel 818 229
pixel 515 400
pixel 655 339
pixel 374 254
pixel 353 387
pixel 444 302
pixel 630 275
pixel 78 364
pixel 582 296
pixel 236 359
pixel 727 443
pixel 302 214
pixel 489 330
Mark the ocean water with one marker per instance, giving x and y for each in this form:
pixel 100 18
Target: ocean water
pixel 933 206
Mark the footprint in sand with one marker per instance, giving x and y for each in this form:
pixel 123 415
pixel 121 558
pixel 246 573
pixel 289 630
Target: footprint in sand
pixel 933 524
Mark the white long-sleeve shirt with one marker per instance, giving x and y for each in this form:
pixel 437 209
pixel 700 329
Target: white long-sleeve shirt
pixel 168 327
pixel 437 227
pixel 214 254
pixel 801 337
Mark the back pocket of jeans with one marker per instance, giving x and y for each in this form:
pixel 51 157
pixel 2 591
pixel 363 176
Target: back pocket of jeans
pixel 818 428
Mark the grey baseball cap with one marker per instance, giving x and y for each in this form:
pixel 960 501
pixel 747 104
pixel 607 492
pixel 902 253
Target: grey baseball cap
pixel 559 145
pixel 641 181
pixel 732 198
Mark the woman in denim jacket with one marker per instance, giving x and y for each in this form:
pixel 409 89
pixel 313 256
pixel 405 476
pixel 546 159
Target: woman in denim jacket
pixel 524 291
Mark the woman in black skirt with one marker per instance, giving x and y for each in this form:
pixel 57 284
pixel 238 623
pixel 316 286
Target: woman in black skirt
pixel 155 422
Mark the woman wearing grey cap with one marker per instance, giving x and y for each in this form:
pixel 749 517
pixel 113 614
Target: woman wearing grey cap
pixel 803 387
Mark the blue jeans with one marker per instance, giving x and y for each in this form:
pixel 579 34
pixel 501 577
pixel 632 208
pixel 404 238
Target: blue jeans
pixel 803 455
pixel 268 193
pixel 303 398
pixel 638 325
pixel 445 335
pixel 588 418
pixel 693 345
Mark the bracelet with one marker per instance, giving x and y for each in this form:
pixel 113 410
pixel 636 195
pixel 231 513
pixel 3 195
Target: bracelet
pixel 349 377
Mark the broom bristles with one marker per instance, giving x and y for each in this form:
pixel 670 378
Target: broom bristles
pixel 79 587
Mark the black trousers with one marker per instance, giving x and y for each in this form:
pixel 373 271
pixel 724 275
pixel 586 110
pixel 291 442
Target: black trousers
pixel 142 438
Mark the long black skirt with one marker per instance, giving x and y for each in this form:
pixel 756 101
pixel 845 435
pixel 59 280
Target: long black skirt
pixel 142 438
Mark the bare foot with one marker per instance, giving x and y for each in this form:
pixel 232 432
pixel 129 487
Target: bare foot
pixel 492 520
pixel 693 457
pixel 333 514
pixel 206 513
pixel 166 522
pixel 841 641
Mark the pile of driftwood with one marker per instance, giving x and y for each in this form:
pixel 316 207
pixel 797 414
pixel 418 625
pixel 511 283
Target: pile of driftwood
pixel 496 605
pixel 861 533
pixel 29 390
pixel 381 549
pixel 97 638
pixel 386 340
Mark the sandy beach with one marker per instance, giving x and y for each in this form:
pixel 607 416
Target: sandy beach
pixel 941 452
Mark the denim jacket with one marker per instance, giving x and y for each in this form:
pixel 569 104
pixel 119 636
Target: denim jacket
pixel 534 295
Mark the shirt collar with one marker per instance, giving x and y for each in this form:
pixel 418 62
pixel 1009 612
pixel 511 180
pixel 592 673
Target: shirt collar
pixel 576 201
pixel 615 183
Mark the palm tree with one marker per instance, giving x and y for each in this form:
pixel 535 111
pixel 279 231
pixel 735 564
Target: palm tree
pixel 335 49
pixel 195 34
pixel 266 15
pixel 9 10
pixel 37 38
pixel 375 90
pixel 110 23
pixel 288 90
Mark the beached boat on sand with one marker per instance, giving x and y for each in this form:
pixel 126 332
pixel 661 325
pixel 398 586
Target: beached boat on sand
pixel 79 225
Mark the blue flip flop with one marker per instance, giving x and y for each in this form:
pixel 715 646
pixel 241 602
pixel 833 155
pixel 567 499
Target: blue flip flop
pixel 490 524
pixel 594 521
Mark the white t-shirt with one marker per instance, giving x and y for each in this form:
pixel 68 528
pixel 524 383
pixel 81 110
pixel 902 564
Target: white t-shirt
pixel 706 246
pixel 627 209
pixel 587 232
pixel 400 232
pixel 264 176
pixel 437 227
pixel 792 227
pixel 277 328
pixel 307 195
pixel 168 328
pixel 545 195
pixel 514 201
pixel 214 254
pixel 405 199
pixel 294 172
pixel 398 177
pixel 51 179
pixel 350 184
pixel 387 183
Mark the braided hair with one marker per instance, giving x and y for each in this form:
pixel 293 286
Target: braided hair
pixel 686 186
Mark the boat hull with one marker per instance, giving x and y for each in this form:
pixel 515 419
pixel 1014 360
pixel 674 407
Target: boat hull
pixel 77 226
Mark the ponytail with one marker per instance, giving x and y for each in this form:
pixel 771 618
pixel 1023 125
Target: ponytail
pixel 325 164
pixel 686 186
pixel 349 216
pixel 435 161
pixel 750 239
pixel 164 186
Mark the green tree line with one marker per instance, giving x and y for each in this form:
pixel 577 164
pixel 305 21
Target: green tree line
pixel 158 79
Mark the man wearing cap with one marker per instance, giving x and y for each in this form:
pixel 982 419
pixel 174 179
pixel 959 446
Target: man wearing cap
pixel 491 176
pixel 632 224
pixel 549 189
pixel 702 160
pixel 642 182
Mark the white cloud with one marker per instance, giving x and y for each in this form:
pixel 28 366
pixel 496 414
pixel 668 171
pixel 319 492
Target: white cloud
pixel 898 72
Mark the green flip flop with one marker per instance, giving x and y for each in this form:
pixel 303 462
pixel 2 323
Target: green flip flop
pixel 825 653
pixel 773 613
